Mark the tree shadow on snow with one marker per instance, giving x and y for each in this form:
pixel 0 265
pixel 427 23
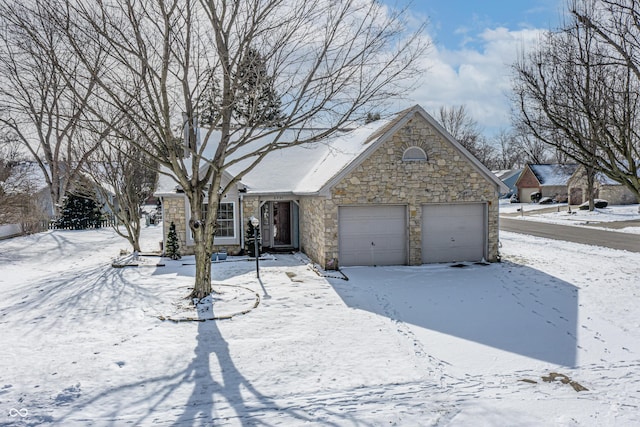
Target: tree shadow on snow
pixel 75 297
pixel 220 393
pixel 505 306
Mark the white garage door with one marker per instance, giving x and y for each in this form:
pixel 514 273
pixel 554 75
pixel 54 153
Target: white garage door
pixel 453 232
pixel 525 194
pixel 372 235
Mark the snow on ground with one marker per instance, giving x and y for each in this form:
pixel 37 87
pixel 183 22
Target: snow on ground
pixel 83 343
pixel 560 214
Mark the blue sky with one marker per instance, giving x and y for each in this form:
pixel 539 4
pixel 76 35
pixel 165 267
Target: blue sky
pixel 455 23
pixel 474 42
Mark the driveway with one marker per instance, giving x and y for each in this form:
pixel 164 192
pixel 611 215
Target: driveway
pixel 584 235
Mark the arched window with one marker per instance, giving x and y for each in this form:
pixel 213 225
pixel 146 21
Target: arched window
pixel 414 154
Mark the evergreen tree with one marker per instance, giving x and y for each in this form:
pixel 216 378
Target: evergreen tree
pixel 250 240
pixel 79 212
pixel 208 103
pixel 173 247
pixel 257 104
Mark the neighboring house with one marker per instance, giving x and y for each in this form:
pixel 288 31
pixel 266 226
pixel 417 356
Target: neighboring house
pixel 399 191
pixel 508 178
pixel 26 194
pixel 26 180
pixel 551 180
pixel 604 188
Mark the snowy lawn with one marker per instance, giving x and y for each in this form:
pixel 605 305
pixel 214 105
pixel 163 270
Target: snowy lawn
pixel 560 214
pixel 83 343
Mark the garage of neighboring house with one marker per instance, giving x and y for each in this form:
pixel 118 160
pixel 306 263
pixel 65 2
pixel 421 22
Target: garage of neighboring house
pixel 454 232
pixel 525 194
pixel 373 235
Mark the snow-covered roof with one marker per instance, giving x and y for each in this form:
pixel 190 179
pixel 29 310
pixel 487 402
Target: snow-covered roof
pixel 312 168
pixel 305 169
pixel 553 174
pixel 25 177
pixel 505 174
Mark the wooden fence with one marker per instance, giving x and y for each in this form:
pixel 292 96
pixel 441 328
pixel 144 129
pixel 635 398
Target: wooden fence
pixel 79 224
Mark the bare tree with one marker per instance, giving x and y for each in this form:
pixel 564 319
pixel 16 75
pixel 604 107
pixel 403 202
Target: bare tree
pixel 459 123
pixel 509 154
pixel 466 130
pixel 330 62
pixel 579 93
pixel 37 105
pixel 123 177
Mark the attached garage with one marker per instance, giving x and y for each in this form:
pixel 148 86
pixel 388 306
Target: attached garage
pixel 525 194
pixel 454 232
pixel 372 235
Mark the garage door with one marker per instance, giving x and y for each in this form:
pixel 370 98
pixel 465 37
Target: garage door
pixel 525 194
pixel 453 232
pixel 372 235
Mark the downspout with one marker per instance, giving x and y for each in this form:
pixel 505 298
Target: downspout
pixel 241 204
pixel 164 219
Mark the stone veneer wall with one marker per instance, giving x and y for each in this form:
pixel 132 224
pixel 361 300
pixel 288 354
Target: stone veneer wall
pixel 384 178
pixel 314 230
pixel 617 195
pixel 174 209
pixel 614 194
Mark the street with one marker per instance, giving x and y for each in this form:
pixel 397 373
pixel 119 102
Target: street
pixel 585 235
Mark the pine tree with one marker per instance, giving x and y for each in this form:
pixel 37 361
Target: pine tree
pixel 258 103
pixel 79 212
pixel 250 240
pixel 173 247
pixel 208 104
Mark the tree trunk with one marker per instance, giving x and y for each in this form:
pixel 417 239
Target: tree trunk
pixel 591 175
pixel 135 236
pixel 203 231
pixel 202 286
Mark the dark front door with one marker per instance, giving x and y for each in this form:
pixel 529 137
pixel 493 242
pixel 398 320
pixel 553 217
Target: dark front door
pixel 281 223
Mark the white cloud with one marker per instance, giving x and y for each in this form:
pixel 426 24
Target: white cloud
pixel 479 78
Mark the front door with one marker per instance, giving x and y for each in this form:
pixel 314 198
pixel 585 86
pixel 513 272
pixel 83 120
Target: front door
pixel 280 224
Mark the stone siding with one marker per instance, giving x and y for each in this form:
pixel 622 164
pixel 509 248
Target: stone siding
pixel 174 209
pixel 617 195
pixel 614 194
pixel 313 229
pixel 384 178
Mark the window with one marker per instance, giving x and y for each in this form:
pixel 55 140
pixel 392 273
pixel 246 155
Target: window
pixel 414 154
pixel 225 220
pixel 226 223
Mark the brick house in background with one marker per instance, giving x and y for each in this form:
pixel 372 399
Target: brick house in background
pixel 396 191
pixel 551 180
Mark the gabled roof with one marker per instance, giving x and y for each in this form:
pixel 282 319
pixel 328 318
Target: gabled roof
pixel 605 180
pixel 600 177
pixel 314 168
pixel 553 174
pixel 25 177
pixel 506 173
pixel 509 177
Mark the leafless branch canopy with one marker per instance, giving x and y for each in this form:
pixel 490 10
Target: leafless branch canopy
pixel 580 90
